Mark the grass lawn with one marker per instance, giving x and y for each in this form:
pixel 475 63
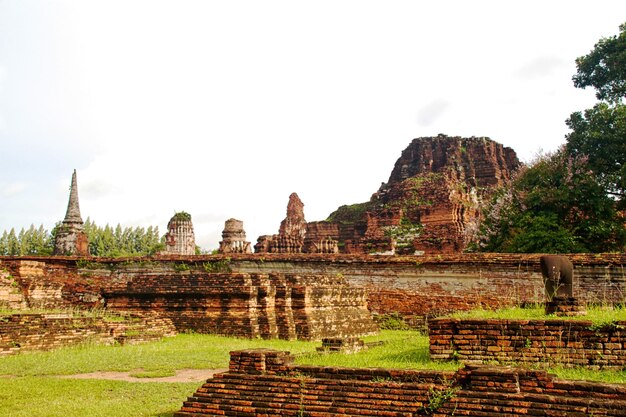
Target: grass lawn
pixel 54 397
pixel 29 386
pixel 597 315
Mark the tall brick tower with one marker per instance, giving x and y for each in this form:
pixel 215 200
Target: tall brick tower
pixel 70 237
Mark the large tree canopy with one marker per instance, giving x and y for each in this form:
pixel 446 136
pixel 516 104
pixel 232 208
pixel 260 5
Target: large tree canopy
pixel 599 134
pixel 554 206
pixel 604 68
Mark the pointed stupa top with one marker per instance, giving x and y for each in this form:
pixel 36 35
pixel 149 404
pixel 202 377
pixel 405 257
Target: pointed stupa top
pixel 73 210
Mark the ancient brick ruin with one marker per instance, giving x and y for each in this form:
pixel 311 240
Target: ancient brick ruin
pixel 180 239
pixel 70 238
pixel 431 200
pixel 247 305
pixel 290 237
pixel 234 238
pixel 30 332
pixel 568 343
pixel 267 383
pixel 198 293
pixel 417 288
pixel 297 236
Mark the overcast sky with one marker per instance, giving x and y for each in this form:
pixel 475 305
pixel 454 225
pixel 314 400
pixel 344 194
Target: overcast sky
pixel 222 109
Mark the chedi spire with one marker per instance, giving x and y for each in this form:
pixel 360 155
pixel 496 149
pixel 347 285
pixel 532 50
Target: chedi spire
pixel 70 239
pixel 73 208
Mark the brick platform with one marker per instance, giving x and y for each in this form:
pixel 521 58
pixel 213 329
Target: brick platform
pixel 565 342
pixel 266 383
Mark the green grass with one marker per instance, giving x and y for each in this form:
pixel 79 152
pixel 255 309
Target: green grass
pixel 54 397
pixel 402 350
pixel 184 351
pixel 597 315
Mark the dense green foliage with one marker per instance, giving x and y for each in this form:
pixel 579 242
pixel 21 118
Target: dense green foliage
pixel 350 214
pixel 103 241
pixel 599 135
pixel 31 241
pixel 554 206
pixel 122 242
pixel 604 68
pixel 573 199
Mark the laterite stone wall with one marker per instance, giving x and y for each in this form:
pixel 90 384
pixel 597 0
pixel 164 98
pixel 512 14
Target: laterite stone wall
pixel 566 342
pixel 266 383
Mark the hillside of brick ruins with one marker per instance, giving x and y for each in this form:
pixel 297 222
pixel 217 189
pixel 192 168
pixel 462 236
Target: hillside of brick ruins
pixel 432 198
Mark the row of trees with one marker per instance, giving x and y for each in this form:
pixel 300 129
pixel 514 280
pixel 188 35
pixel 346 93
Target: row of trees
pixel 103 241
pixel 572 200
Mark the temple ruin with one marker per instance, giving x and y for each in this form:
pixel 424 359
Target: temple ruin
pixel 295 235
pixel 274 305
pixel 70 238
pixel 180 239
pixel 432 198
pixel 234 238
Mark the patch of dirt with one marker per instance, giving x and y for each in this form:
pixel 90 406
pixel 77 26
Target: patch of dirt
pixel 182 375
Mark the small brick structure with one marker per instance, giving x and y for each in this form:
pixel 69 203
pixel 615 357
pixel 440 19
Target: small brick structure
pixel 28 332
pixel 565 307
pixel 342 345
pixel 234 238
pixel 266 383
pixel 572 343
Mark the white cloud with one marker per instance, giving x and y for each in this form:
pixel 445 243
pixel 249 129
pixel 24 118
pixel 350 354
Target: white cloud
pixel 541 66
pixel 12 189
pixel 431 112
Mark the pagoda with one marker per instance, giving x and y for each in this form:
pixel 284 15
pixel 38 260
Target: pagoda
pixel 70 237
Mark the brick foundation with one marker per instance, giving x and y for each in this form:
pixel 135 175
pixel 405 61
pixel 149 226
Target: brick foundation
pixel 27 332
pixel 570 343
pixel 266 383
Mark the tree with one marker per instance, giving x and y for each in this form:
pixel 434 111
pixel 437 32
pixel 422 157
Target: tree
pixel 105 241
pixel 555 205
pixel 600 135
pixel 600 132
pixel 604 68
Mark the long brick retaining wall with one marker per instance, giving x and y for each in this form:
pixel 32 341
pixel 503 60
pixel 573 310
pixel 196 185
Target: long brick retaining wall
pixel 567 342
pixel 266 383
pixel 416 287
pixel 26 332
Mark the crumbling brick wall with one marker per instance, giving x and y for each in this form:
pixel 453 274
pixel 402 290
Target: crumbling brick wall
pixel 248 305
pixel 565 342
pixel 416 287
pixel 27 332
pixel 265 382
